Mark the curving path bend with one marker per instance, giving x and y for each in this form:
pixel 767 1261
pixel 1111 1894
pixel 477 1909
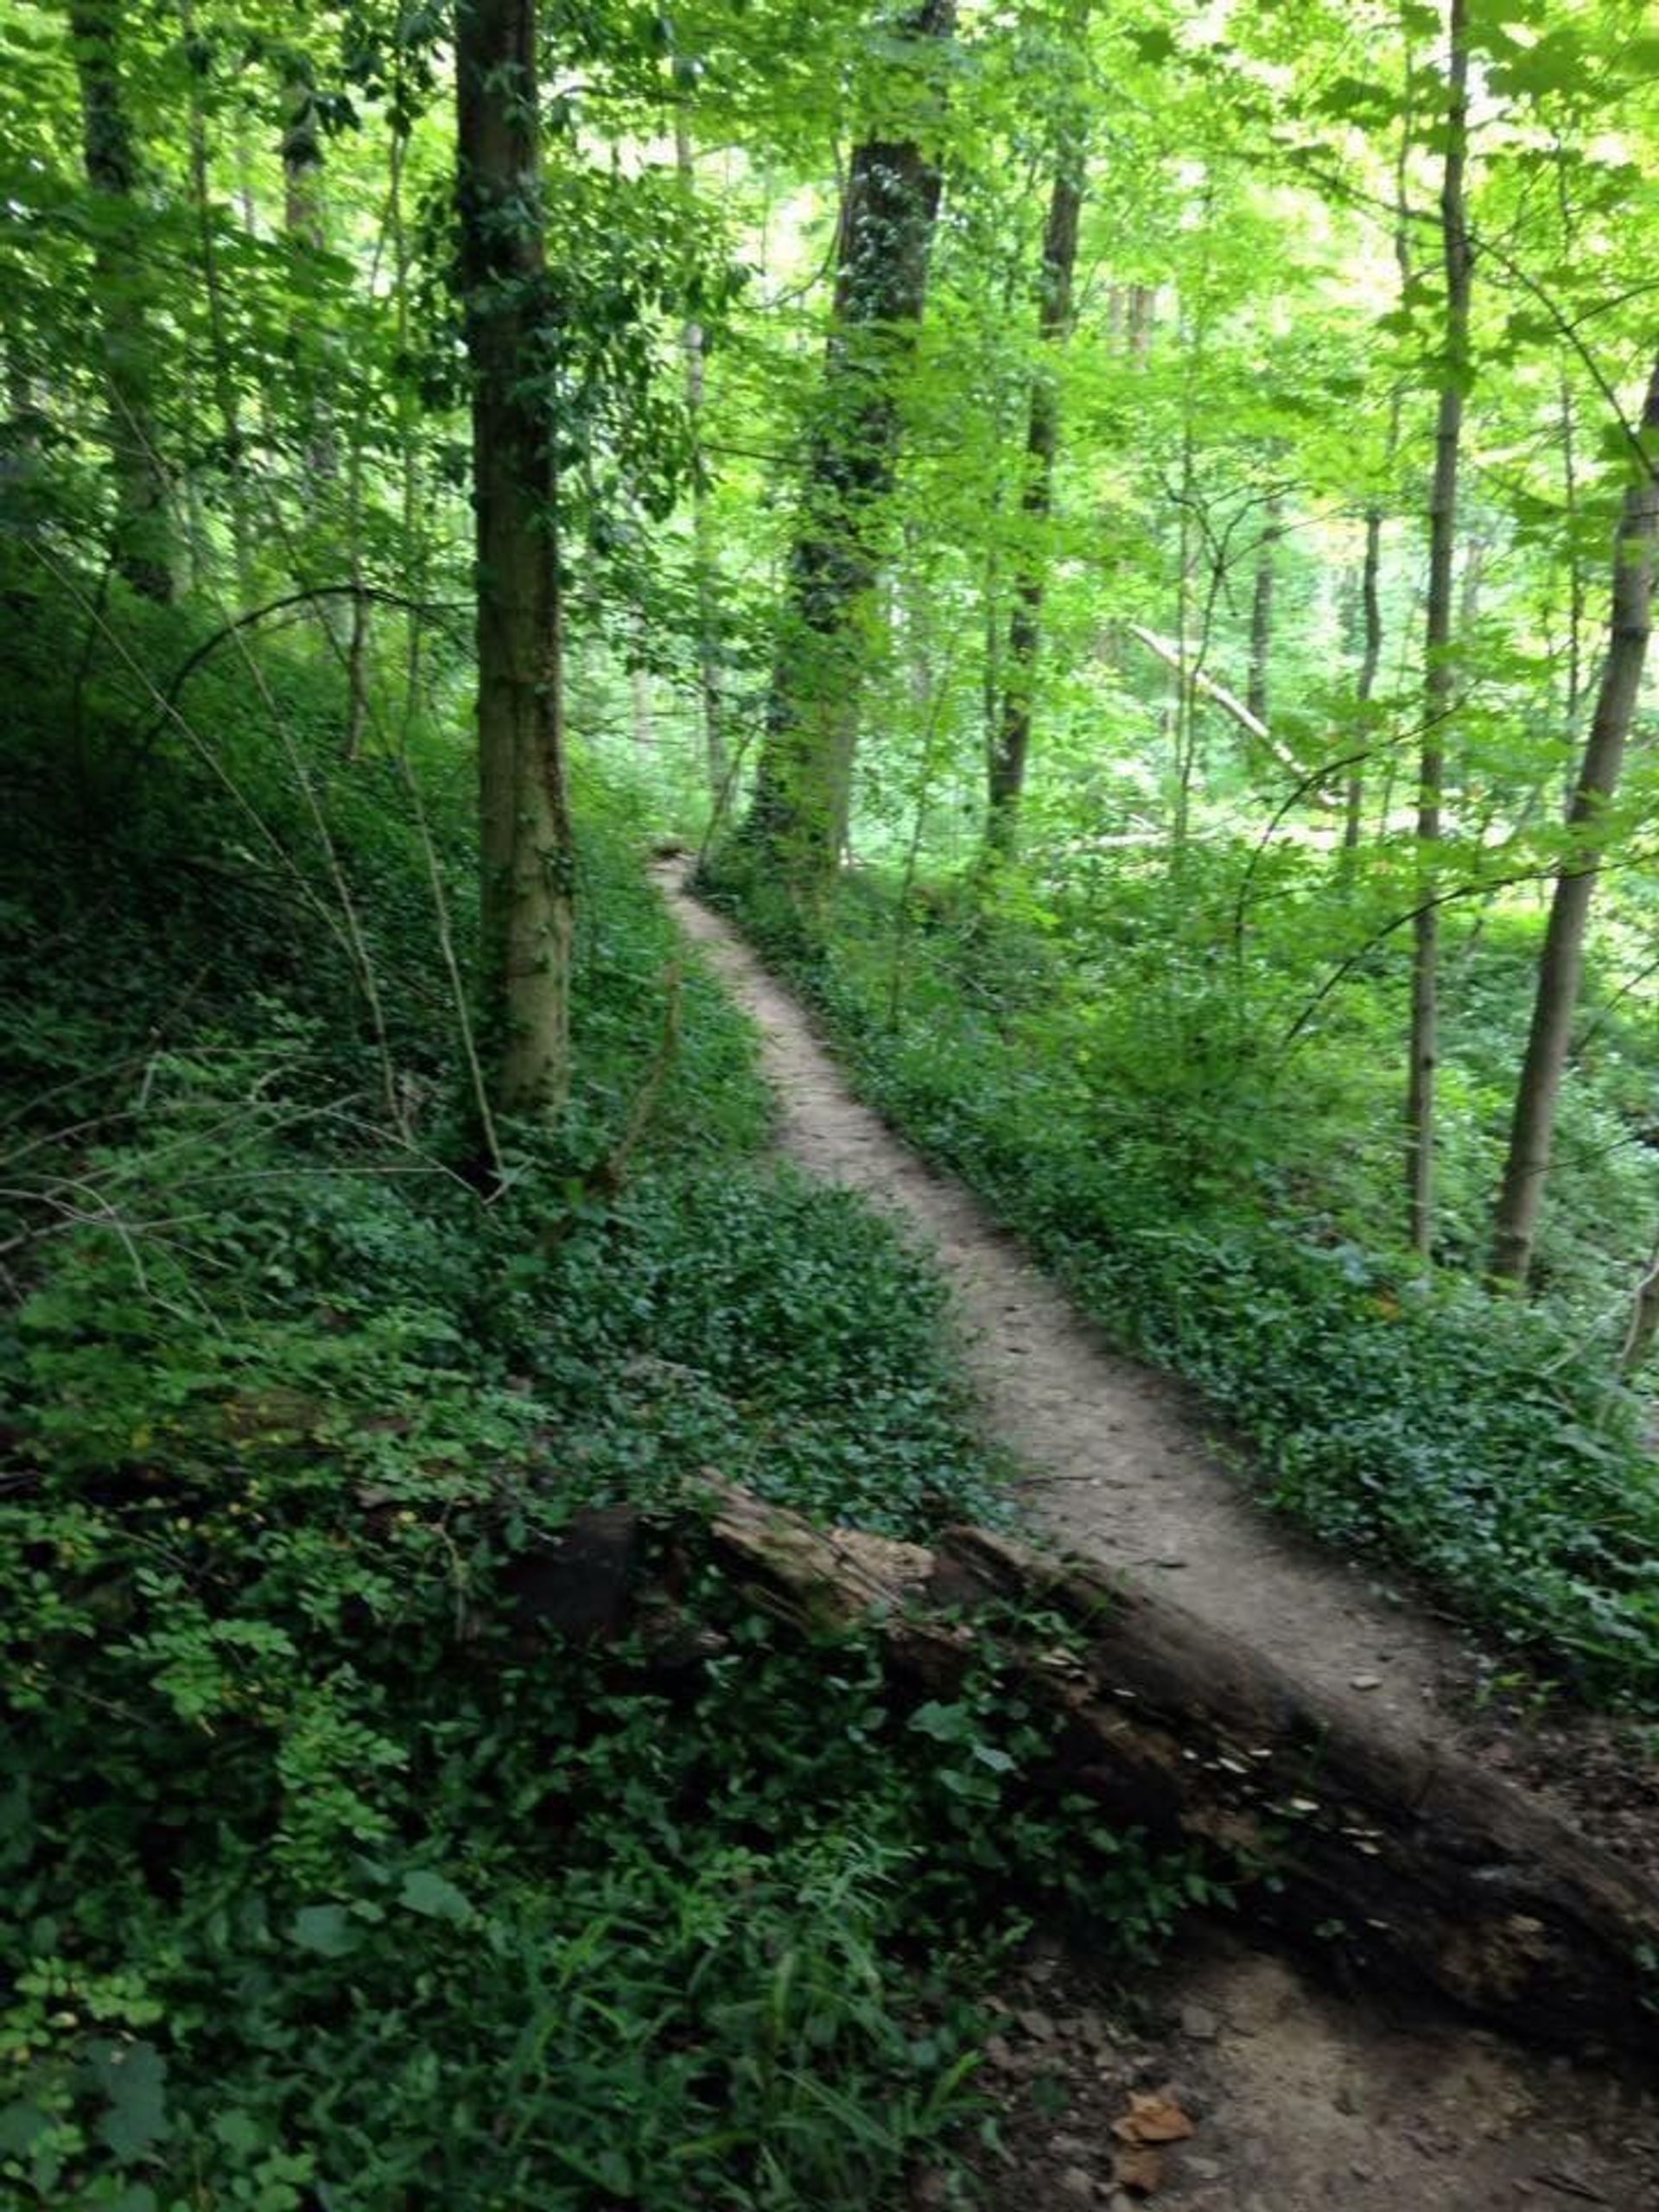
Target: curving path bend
pixel 1117 1465
pixel 1308 2101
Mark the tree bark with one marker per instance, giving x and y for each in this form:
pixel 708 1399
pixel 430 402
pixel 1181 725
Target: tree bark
pixel 1373 1852
pixel 1643 1325
pixel 797 820
pixel 1371 571
pixel 224 371
pixel 526 855
pixel 303 222
pixel 1255 689
pixel 1441 683
pixel 1370 655
pixel 142 546
pixel 1561 967
pixel 1011 741
pixel 704 558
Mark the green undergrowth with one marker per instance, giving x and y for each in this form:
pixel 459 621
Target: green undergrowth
pixel 1111 1072
pixel 327 1878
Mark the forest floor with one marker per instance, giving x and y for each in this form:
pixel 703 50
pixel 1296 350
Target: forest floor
pixel 1301 2098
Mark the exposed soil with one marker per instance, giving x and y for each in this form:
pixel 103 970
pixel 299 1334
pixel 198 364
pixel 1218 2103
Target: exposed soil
pixel 1303 2100
pixel 1298 2100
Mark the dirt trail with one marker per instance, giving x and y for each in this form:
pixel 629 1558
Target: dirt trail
pixel 1309 2103
pixel 1118 1466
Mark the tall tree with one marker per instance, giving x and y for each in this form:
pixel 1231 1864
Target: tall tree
pixel 1370 584
pixel 142 546
pixel 1441 680
pixel 526 856
pixel 796 824
pixel 1011 740
pixel 199 55
pixel 705 561
pixel 1561 965
pixel 303 219
pixel 1256 694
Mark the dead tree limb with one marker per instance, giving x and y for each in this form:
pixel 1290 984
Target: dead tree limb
pixel 1387 1856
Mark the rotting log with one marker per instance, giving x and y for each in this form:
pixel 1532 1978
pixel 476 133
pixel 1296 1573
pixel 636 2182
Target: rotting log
pixel 1387 1858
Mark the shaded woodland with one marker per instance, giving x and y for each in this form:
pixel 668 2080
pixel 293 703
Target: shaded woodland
pixel 1119 543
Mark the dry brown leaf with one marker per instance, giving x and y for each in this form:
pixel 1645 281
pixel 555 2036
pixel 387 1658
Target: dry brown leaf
pixel 1153 2120
pixel 1139 2169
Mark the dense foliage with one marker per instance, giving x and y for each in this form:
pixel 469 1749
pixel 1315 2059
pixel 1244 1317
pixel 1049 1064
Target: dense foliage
pixel 329 1877
pixel 1145 1131
pixel 1129 536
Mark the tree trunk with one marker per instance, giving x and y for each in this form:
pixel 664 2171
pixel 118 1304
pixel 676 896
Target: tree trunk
pixel 1255 689
pixel 303 220
pixel 524 830
pixel 1643 1325
pixel 1441 685
pixel 640 700
pixel 1561 965
pixel 1011 743
pixel 1371 572
pixel 797 825
pixel 1143 320
pixel 705 564
pixel 224 372
pixel 1371 654
pixel 1375 1853
pixel 141 547
pixel 1576 594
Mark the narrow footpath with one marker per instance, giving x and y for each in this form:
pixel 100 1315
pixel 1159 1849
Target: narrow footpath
pixel 1309 2102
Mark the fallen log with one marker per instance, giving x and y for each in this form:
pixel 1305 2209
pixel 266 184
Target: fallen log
pixel 1386 1858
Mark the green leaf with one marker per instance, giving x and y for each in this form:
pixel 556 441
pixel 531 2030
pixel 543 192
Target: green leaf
pixel 239 2132
pixel 133 2077
pixel 945 1723
pixel 325 1928
pixel 20 2124
pixel 433 1897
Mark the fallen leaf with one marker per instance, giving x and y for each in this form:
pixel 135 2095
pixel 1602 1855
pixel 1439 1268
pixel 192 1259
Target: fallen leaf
pixel 1153 2120
pixel 1138 2169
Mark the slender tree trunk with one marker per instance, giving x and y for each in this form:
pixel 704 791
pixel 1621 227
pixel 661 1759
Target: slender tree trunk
pixel 1441 687
pixel 1561 966
pixel 990 688
pixel 414 539
pixel 797 825
pixel 704 558
pixel 224 372
pixel 1256 689
pixel 644 720
pixel 141 547
pixel 1181 715
pixel 525 827
pixel 1371 572
pixel 1370 655
pixel 1470 585
pixel 1011 741
pixel 357 666
pixel 1143 320
pixel 1644 1316
pixel 1575 588
pixel 303 222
